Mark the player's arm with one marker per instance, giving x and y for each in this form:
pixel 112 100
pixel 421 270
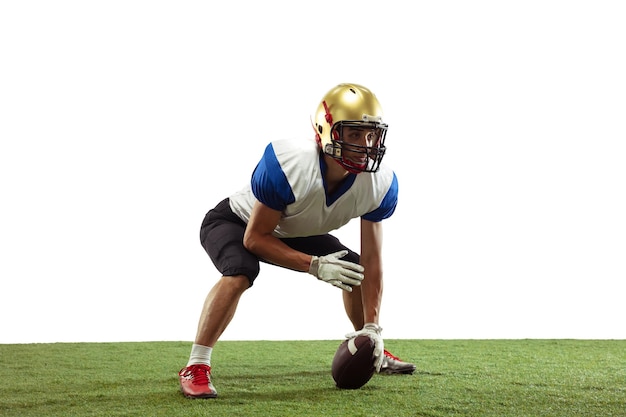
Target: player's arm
pixel 372 285
pixel 371 259
pixel 259 240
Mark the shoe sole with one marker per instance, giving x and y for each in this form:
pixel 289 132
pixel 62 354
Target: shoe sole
pixel 397 372
pixel 203 396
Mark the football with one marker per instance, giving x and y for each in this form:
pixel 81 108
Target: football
pixel 353 364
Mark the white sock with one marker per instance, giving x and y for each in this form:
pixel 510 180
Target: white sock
pixel 200 355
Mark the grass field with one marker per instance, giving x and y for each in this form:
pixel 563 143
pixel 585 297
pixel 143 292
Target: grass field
pixel 260 378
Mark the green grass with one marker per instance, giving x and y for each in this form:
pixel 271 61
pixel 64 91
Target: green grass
pixel 259 378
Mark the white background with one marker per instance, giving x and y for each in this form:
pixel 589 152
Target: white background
pixel 123 122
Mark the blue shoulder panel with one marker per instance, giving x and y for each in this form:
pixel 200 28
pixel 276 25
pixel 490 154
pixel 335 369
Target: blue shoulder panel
pixel 269 182
pixel 387 206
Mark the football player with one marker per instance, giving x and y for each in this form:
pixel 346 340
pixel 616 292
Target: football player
pixel 300 191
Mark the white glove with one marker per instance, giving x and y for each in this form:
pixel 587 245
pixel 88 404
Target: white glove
pixel 331 269
pixel 373 331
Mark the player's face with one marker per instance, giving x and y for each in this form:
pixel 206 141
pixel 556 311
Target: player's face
pixel 360 137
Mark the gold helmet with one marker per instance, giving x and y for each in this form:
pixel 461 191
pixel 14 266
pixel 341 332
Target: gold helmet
pixel 351 108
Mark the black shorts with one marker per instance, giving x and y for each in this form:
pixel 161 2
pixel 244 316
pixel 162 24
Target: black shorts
pixel 222 233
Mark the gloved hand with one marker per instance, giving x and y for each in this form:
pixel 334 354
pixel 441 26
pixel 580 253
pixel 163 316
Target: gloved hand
pixel 331 269
pixel 373 331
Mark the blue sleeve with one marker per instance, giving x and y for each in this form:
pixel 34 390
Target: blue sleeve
pixel 387 206
pixel 269 182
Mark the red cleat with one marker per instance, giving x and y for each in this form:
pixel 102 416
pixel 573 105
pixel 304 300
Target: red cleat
pixel 394 365
pixel 195 382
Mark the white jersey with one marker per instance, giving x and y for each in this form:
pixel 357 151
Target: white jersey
pixel 290 178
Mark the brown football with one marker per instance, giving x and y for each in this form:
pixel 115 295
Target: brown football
pixel 353 364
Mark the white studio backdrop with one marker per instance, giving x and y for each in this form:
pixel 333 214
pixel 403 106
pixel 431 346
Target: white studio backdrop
pixel 122 123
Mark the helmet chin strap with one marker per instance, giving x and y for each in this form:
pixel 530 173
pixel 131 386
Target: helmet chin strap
pixel 335 154
pixel 351 167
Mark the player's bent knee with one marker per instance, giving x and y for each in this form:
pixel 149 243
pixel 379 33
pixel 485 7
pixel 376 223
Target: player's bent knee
pixel 241 282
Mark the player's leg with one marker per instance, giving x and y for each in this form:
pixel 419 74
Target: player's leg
pixel 353 305
pixel 219 308
pixel 222 238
